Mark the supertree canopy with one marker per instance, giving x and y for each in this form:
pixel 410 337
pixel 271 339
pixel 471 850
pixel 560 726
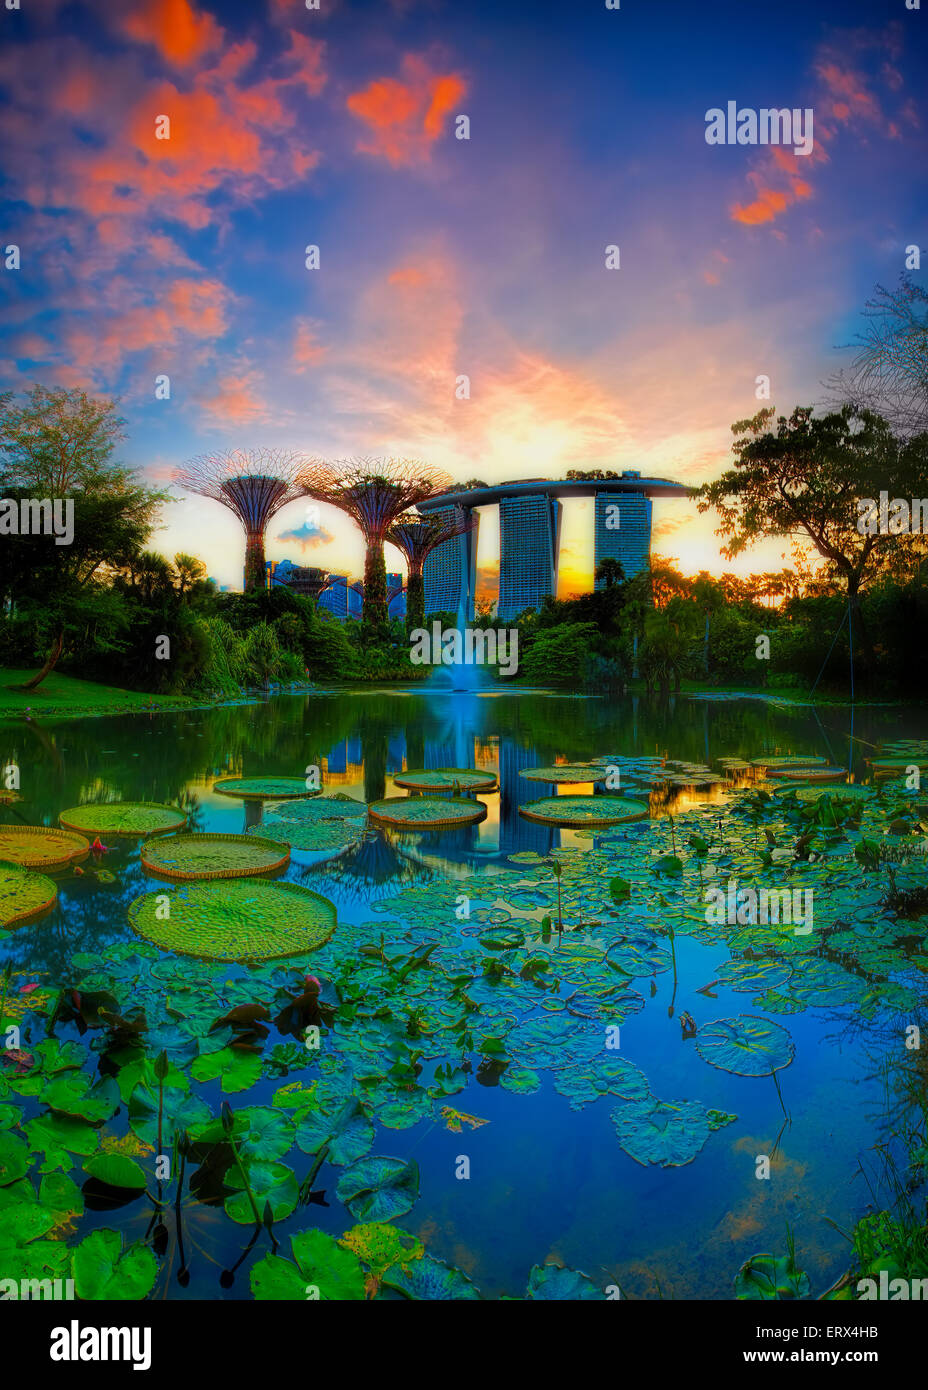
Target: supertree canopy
pixel 417 536
pixel 252 483
pixel 375 493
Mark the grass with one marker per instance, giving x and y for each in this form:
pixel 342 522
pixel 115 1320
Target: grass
pixel 66 695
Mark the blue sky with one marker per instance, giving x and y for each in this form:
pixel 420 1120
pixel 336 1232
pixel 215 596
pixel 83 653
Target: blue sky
pixel 442 257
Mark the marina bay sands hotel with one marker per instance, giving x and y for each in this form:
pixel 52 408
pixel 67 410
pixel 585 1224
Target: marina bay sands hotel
pixel 529 537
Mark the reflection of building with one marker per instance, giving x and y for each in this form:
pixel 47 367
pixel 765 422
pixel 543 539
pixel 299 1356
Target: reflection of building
pixel 516 833
pixel 529 525
pixel 342 599
pixel 450 570
pixel 344 764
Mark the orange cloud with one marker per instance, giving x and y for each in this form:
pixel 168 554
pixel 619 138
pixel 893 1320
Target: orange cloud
pixel 236 400
pixel 306 350
pixel 405 118
pixel 174 28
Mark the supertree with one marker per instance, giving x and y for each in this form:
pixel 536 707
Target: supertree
pixel 417 536
pixel 375 493
pixel 252 483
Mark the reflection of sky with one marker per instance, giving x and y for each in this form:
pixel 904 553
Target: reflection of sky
pixel 442 257
pixel 546 1181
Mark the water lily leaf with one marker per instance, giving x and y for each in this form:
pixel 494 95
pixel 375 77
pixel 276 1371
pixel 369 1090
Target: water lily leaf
pixel 238 1070
pixel 268 1133
pixel 14 1158
pixel 103 1269
pixel 75 1094
pixel 22 1222
pixel 746 1045
pixel 378 1189
pixel 670 1133
pixel 321 1265
pixel 57 1137
pixel 179 1111
pixel 430 1279
pixel 380 1245
pixel 349 1133
pixel 271 1183
pixel 116 1170
pixel 551 1282
pixel 767 1277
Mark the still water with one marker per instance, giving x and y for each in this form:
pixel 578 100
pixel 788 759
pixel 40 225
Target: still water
pixel 545 1180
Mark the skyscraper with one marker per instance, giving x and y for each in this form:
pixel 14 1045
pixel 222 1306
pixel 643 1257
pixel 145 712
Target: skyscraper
pixel 529 535
pixel 623 531
pixel 450 571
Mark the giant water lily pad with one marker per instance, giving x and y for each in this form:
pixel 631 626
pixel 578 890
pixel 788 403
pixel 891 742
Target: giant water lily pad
pixel 426 813
pixel 263 788
pixel 746 1045
pixel 447 778
pixel 40 846
pixel 23 894
pixel 565 774
pixel 583 810
pixel 795 760
pixel 323 822
pixel 245 919
pixel 123 818
pixel 213 856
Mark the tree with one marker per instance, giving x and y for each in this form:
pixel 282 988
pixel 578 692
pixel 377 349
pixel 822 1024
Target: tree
pixel 189 572
pixel 889 373
pixel 59 444
pixel 610 571
pixel 804 480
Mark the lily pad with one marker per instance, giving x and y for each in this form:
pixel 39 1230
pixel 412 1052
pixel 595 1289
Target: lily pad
pixel 583 810
pixel 123 818
pixel 23 894
pixel 379 1189
pixel 213 856
pixel 40 846
pixel 423 813
pixel 746 1045
pixel 246 919
pixel 104 1269
pixel 263 788
pixel 428 1279
pixel 552 1283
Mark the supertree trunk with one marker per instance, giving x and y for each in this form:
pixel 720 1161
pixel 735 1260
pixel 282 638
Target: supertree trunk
pixel 255 577
pixel 415 600
pixel 374 613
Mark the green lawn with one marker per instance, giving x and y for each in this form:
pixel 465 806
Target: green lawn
pixel 65 695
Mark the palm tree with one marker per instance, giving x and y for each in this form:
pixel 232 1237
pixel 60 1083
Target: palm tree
pixel 189 572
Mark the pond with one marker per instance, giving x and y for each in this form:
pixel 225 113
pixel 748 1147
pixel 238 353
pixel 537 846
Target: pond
pixel 542 1098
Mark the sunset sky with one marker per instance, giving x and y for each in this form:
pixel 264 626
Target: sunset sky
pixel 441 256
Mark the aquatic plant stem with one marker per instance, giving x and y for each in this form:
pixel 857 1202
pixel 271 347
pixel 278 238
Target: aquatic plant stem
pixel 306 1186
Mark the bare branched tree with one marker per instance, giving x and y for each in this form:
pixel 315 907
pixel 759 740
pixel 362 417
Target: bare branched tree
pixel 889 373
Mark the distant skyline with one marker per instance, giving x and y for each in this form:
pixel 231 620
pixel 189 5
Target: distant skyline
pixel 442 257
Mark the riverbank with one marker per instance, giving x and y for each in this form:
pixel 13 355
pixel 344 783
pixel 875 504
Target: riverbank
pixel 67 697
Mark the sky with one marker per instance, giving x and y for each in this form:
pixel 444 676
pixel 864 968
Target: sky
pixel 439 256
